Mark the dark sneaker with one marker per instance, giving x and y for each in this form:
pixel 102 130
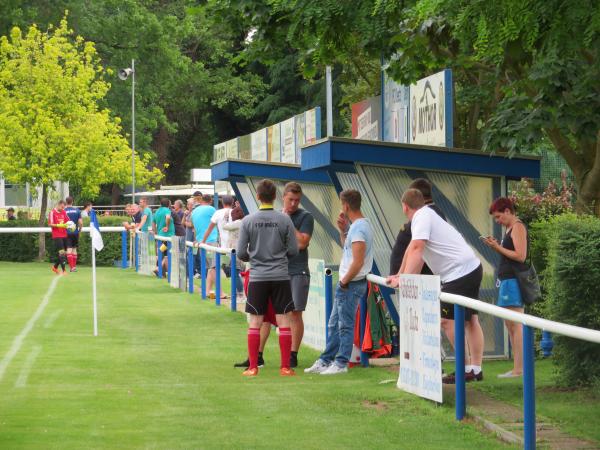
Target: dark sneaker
pixel 293 360
pixel 449 379
pixel 246 364
pixel 470 376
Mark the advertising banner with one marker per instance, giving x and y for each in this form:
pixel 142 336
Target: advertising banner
pixel 300 134
pixel 232 149
pixel 431 110
pixel 258 141
pixel 245 147
pixel 315 324
pixel 396 102
pixel 366 119
pixel 313 125
pixel 420 343
pixel 288 137
pixel 220 152
pixel 274 142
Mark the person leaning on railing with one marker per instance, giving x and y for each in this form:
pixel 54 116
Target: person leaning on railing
pixel 513 253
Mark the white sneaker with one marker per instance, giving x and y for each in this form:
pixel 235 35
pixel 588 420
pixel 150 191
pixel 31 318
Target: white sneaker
pixel 318 367
pixel 509 374
pixel 334 369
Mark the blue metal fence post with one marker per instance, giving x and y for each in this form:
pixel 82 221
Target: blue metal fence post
pixel 203 273
pixel 169 252
pixel 217 279
pixel 190 269
pixel 234 276
pixel 547 344
pixel 124 264
pixel 137 258
pixel 364 357
pixel 159 258
pixel 528 388
pixel 328 300
pixel 459 369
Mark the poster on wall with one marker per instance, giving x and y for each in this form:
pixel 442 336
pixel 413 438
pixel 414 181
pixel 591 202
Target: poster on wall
pixel 420 343
pixel 274 143
pixel 366 119
pixel 232 150
pixel 245 147
pixel 220 152
pixel 288 147
pixel 315 322
pixel 313 125
pixel 396 102
pixel 259 145
pixel 300 125
pixel 431 110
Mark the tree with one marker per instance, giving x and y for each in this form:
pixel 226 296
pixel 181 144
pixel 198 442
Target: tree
pixel 51 124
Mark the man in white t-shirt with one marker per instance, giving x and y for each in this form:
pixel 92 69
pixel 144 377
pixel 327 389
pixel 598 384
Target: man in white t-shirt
pixel 445 251
pixel 357 261
pixel 219 219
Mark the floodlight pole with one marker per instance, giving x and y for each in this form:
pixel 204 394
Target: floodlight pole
pixel 133 131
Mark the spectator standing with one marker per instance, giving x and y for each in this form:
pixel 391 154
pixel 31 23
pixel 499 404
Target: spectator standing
pixel 201 216
pixel 73 236
pixel 145 224
pixel 439 245
pixel 357 261
pixel 513 254
pixel 178 214
pixel 10 214
pixel 135 215
pixel 267 239
pixel 219 219
pixel 87 207
pixel 163 226
pixel 57 219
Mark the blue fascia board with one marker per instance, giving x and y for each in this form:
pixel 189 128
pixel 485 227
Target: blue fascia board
pixel 329 151
pixel 232 169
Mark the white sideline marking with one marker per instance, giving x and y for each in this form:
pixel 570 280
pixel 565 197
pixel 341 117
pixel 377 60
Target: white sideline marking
pixel 18 342
pixel 27 366
pixel 50 321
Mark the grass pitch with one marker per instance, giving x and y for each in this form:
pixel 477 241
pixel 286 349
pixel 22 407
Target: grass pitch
pixel 160 375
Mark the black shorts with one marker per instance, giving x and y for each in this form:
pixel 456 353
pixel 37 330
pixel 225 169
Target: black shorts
pixel 73 240
pixel 259 293
pixel 467 286
pixel 60 244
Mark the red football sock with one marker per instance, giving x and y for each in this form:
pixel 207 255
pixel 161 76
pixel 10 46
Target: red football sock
pixel 285 346
pixel 74 260
pixel 70 260
pixel 253 343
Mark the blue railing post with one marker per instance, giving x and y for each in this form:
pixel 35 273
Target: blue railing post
pixel 124 249
pixel 169 253
pixel 203 273
pixel 217 279
pixel 328 300
pixel 547 344
pixel 234 276
pixel 459 369
pixel 190 269
pixel 136 249
pixel 528 387
pixel 364 357
pixel 159 258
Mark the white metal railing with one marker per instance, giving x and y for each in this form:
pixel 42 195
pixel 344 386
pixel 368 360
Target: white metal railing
pixel 7 230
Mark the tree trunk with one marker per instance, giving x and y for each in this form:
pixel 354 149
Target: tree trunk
pixel 588 196
pixel 161 147
pixel 115 197
pixel 41 223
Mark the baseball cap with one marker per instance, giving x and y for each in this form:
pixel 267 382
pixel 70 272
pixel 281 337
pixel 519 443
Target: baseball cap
pixel 197 194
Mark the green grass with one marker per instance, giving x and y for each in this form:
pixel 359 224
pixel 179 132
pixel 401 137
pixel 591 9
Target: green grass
pixel 575 411
pixel 160 375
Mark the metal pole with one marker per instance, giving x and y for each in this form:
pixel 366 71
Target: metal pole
pixel 459 369
pixel 364 357
pixel 133 130
pixel 137 258
pixel 190 267
pixel 329 94
pixel 95 305
pixel 218 279
pixel 328 300
pixel 124 250
pixel 159 259
pixel 234 276
pixel 169 253
pixel 203 273
pixel 528 387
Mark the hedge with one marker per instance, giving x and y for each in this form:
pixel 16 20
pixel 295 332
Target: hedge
pixel 23 247
pixel 571 280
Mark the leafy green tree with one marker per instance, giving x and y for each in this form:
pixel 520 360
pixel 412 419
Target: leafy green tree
pixel 52 126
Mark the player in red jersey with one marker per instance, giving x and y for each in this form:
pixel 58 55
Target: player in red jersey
pixel 57 220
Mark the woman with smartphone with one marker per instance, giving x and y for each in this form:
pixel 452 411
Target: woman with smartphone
pixel 513 253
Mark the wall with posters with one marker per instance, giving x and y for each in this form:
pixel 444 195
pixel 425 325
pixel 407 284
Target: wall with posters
pixel 396 100
pixel 274 142
pixel 366 119
pixel 420 343
pixel 288 141
pixel 315 323
pixel 258 141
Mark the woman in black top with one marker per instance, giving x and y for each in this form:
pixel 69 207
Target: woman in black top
pixel 513 253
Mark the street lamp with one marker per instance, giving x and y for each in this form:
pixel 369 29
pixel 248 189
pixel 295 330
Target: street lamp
pixel 123 75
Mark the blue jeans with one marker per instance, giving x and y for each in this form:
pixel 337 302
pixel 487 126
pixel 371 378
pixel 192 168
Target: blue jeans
pixel 341 323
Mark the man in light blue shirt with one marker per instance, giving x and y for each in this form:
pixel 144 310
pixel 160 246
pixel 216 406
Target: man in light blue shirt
pixel 357 261
pixel 201 216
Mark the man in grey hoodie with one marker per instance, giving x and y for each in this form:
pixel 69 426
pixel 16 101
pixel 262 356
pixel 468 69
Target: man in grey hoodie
pixel 267 239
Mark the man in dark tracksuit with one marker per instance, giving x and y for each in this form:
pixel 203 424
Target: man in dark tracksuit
pixel 267 239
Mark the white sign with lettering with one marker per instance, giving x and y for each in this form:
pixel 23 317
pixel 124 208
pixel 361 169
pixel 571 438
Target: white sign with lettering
pixel 315 323
pixel 420 343
pixel 431 110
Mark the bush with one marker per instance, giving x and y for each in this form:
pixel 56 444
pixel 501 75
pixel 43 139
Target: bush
pixel 23 247
pixel 571 279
